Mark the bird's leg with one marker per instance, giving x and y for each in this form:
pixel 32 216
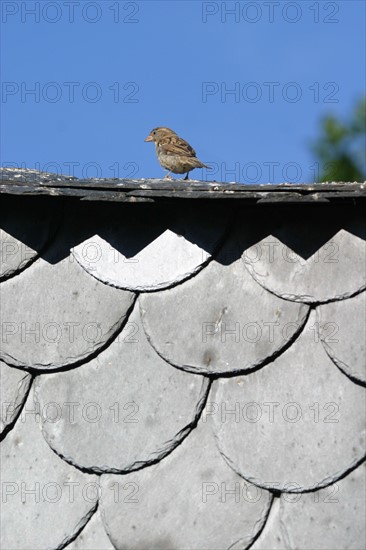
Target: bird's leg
pixel 168 176
pixel 186 176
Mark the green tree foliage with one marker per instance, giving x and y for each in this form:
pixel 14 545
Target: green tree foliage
pixel 341 147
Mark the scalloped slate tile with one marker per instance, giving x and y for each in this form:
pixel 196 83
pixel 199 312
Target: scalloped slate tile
pixel 131 407
pixel 303 417
pixel 149 251
pixel 14 254
pixel 241 328
pixel 14 387
pixel 45 502
pixel 335 271
pixel 92 537
pixel 330 519
pixel 60 315
pixel 20 243
pixel 342 328
pixel 191 499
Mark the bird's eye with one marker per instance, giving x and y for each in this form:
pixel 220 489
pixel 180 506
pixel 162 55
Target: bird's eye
pixel 154 132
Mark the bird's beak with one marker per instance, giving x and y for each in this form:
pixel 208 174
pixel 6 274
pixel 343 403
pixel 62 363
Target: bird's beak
pixel 149 138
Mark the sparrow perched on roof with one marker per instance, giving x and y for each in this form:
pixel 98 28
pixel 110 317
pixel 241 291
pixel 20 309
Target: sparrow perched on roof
pixel 173 152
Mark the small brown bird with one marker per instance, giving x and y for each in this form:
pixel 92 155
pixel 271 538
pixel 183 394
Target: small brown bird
pixel 173 152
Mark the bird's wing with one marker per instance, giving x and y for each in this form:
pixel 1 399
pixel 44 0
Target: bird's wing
pixel 174 145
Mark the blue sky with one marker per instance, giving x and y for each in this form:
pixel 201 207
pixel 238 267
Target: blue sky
pixel 104 73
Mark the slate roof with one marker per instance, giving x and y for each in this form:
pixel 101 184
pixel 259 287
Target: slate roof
pixel 179 369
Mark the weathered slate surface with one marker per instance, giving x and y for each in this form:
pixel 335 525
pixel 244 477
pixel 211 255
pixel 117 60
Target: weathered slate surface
pixel 297 412
pixel 45 501
pixel 14 389
pixel 24 182
pixel 232 332
pixel 192 499
pixel 330 518
pixel 342 329
pixel 239 330
pixel 147 407
pixel 92 537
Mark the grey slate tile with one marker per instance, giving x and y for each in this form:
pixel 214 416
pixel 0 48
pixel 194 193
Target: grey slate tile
pixel 55 314
pixel 45 502
pixel 243 326
pixel 14 387
pixel 152 250
pixel 294 425
pixel 14 255
pixel 122 410
pixel 21 242
pixel 92 537
pixel 190 500
pixel 329 519
pixel 343 331
pixel 334 271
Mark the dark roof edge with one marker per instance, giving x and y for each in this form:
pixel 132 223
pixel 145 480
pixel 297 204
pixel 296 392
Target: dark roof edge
pixel 15 181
